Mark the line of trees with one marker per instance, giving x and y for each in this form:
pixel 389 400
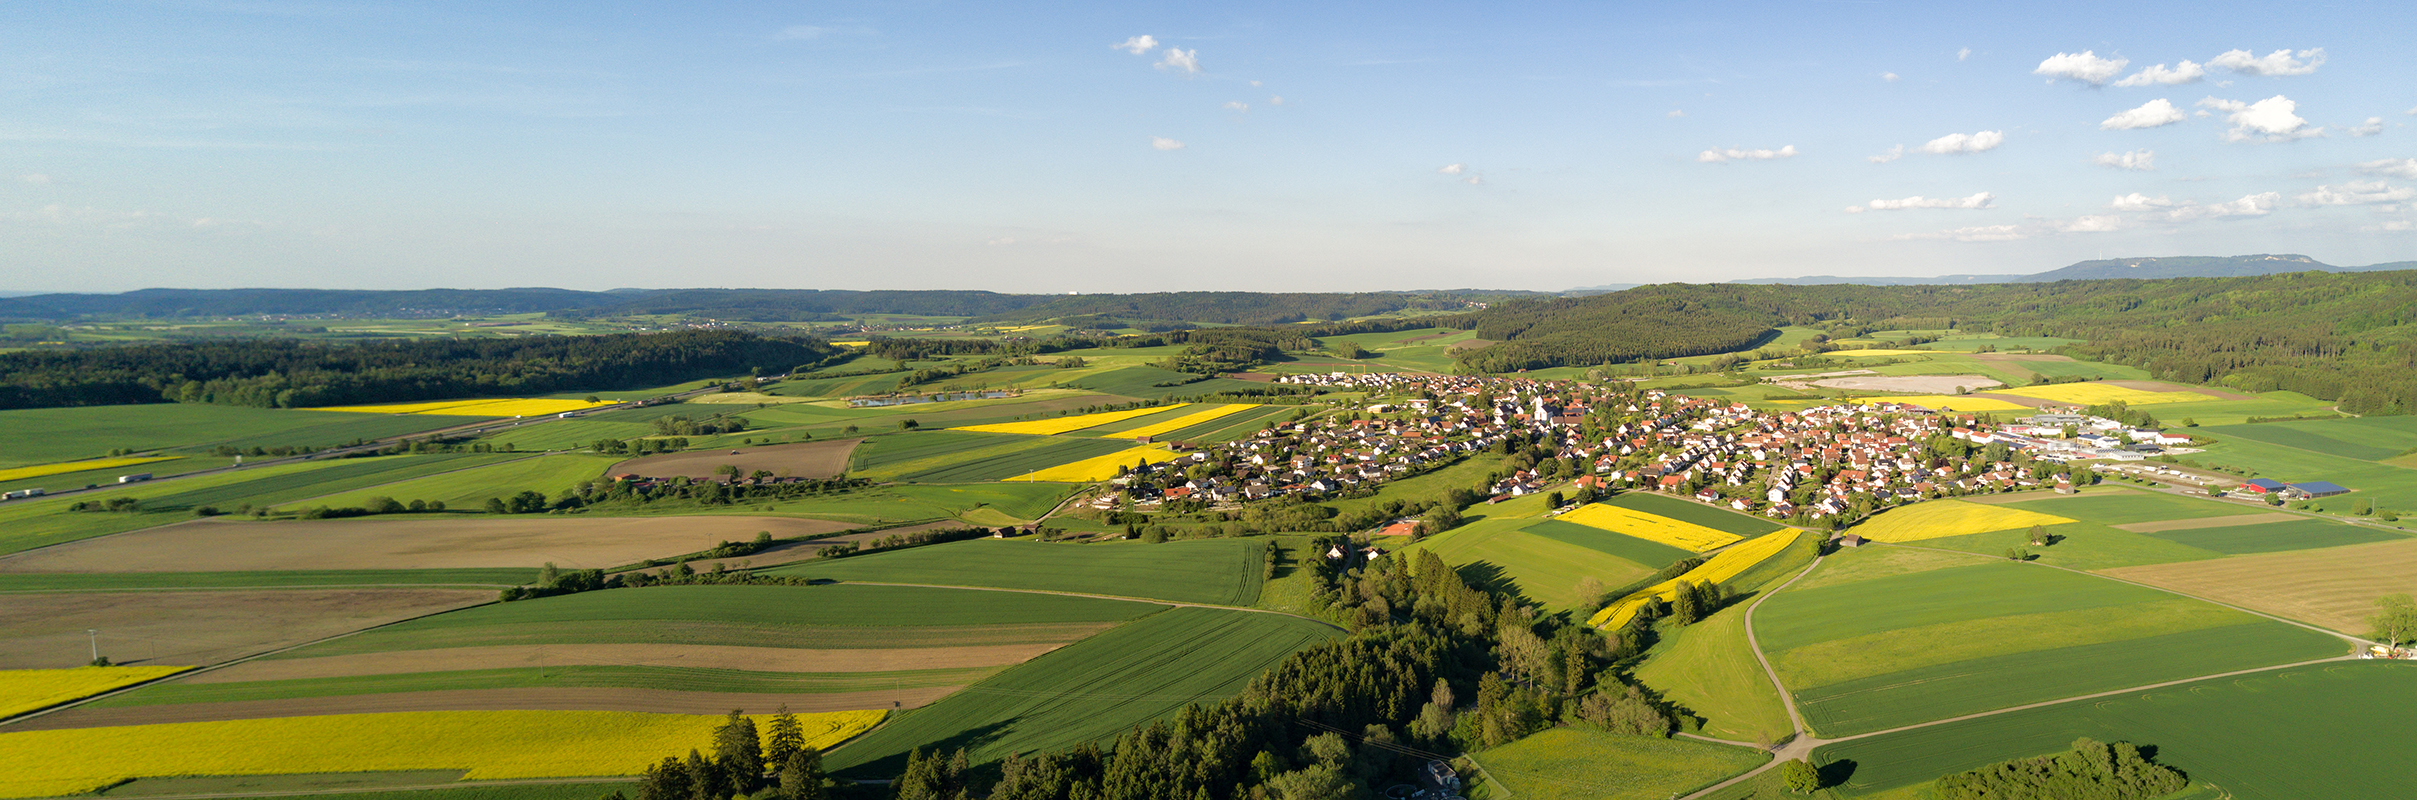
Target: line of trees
pixel 2091 770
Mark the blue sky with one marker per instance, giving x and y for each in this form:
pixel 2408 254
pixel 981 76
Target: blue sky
pixel 1246 145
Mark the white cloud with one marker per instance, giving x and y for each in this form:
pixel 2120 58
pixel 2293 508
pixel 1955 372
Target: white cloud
pixel 1454 169
pixel 1181 60
pixel 1976 202
pixel 1675 114
pixel 1474 180
pixel 2152 114
pixel 1164 143
pixel 2181 73
pixel 2256 205
pixel 1893 154
pixel 1965 142
pixel 2277 63
pixel 2141 202
pixel 2097 223
pixel 1255 83
pixel 2357 193
pixel 1963 53
pixel 1236 105
pixel 1987 233
pixel 2372 126
pixel 2396 167
pixel 1276 100
pixel 2269 120
pixel 2395 225
pixel 1734 154
pixel 2084 66
pixel 1138 44
pixel 35 178
pixel 2137 160
pixel 1890 77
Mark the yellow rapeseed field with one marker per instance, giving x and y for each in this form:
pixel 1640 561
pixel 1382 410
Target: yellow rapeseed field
pixel 2094 394
pixel 63 467
pixel 1937 518
pixel 491 745
pixel 1649 527
pixel 1937 402
pixel 491 407
pixel 1098 468
pixel 1720 567
pixel 23 690
pixel 1182 422
pixel 1052 427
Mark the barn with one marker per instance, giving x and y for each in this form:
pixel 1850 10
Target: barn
pixel 2319 488
pixel 2263 485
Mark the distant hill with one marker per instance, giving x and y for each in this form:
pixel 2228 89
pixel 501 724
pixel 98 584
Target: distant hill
pixel 2115 268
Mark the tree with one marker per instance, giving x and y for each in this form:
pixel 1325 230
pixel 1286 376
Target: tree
pixel 2017 554
pixel 495 505
pixel 667 780
pixel 2395 619
pixel 1801 776
pixel 801 776
pixel 2361 508
pixel 1686 605
pixel 739 753
pixel 706 780
pixel 1626 712
pixel 2039 536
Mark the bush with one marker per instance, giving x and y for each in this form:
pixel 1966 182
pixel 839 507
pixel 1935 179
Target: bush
pixel 2090 769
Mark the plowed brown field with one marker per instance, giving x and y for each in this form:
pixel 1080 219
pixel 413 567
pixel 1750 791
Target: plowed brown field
pixel 42 631
pixel 437 541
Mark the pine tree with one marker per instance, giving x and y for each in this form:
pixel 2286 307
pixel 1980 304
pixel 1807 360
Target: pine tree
pixel 706 780
pixel 801 775
pixel 739 753
pixel 784 739
pixel 667 780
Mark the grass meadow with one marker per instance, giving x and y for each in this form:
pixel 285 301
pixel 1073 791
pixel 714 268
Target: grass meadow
pixel 26 524
pixel 46 435
pixel 1708 669
pixel 1546 569
pixel 1692 512
pixel 1215 571
pixel 1650 554
pixel 1578 762
pixel 468 485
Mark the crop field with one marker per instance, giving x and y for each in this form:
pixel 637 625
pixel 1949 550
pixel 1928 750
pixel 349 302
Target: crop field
pixel 1099 467
pixel 1649 527
pixel 406 541
pixel 1092 690
pixel 850 386
pixel 23 690
pixel 2333 587
pixel 1720 568
pixel 1577 762
pixel 1719 519
pixel 908 451
pixel 2096 393
pixel 40 470
pixel 365 786
pixel 1019 456
pixel 46 435
pixel 286 483
pixel 1653 555
pixel 489 744
pixel 504 682
pixel 1218 571
pixel 46 631
pixel 1237 427
pixel 1940 402
pixel 994 503
pixel 1058 425
pixel 492 407
pixel 1499 554
pixel 1933 519
pixel 467 486
pixel 2275 537
pixel 2079 545
pixel 1905 648
pixel 2362 438
pixel 571 434
pixel 707 659
pixel 1708 668
pixel 2117 506
pixel 822 459
pixel 2329 731
pixel 1161 429
pixel 122 581
pixel 2384 485
pixel 839 617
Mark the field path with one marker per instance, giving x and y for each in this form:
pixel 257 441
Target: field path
pixel 1151 600
pixel 1800 745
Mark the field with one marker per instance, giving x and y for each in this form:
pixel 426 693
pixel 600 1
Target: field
pixel 1161 429
pixel 280 579
pixel 2270 536
pixel 426 541
pixel 2330 731
pixel 1577 762
pixel 1911 647
pixel 1501 555
pixel 2333 587
pixel 1720 568
pixel 46 631
pixel 42 470
pixel 26 524
pixel 1940 518
pixel 1099 467
pixel 47 435
pixel 365 786
pixel 1058 425
pixel 1963 403
pixel 823 459
pixel 2383 484
pixel 1649 554
pixel 2099 393
pixel 2364 439
pixel 1218 571
pixel 1025 456
pixel 23 690
pixel 1719 519
pixel 493 407
pixel 467 486
pixel 1708 669
pixel 996 503
pixel 1649 527
pixel 1092 690
pixel 489 744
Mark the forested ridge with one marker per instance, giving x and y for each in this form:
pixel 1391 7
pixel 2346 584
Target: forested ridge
pixel 286 373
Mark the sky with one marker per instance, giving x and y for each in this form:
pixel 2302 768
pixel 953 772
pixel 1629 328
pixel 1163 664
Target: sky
pixel 1263 146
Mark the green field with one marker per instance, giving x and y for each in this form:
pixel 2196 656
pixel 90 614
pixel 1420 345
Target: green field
pixel 2338 730
pixel 1906 648
pixel 26 524
pixel 1651 554
pixel 1579 762
pixel 989 504
pixel 66 481
pixel 1689 511
pixel 2382 484
pixel 1141 382
pixel 2363 438
pixel 1019 462
pixel 1499 554
pixel 848 617
pixel 120 581
pixel 686 679
pixel 1709 669
pixel 2117 506
pixel 2306 534
pixel 908 451
pixel 1091 690
pixel 46 435
pixel 1237 427
pixel 1429 488
pixel 1217 571
pixel 571 434
pixel 468 485
pixel 2084 545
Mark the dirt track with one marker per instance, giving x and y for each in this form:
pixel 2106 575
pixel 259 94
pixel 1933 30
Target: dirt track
pixel 46 631
pixel 801 460
pixel 755 659
pixel 446 541
pixel 656 701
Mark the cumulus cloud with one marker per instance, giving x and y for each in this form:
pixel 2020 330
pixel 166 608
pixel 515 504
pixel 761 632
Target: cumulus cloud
pixel 1276 100
pixel 2099 223
pixel 2136 160
pixel 2256 205
pixel 1987 233
pixel 1976 202
pixel 1735 154
pixel 2141 202
pixel 2278 63
pixel 1453 169
pixel 1965 142
pixel 1181 60
pixel 1963 53
pixel 1890 77
pixel 1236 105
pixel 35 178
pixel 1138 44
pixel 1473 180
pixel 2084 66
pixel 1675 113
pixel 2395 167
pixel 2270 120
pixel 1893 154
pixel 2158 75
pixel 2358 193
pixel 1164 143
pixel 2372 126
pixel 2166 209
pixel 2152 114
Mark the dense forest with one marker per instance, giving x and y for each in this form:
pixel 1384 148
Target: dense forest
pixel 281 373
pixel 1642 323
pixel 1242 308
